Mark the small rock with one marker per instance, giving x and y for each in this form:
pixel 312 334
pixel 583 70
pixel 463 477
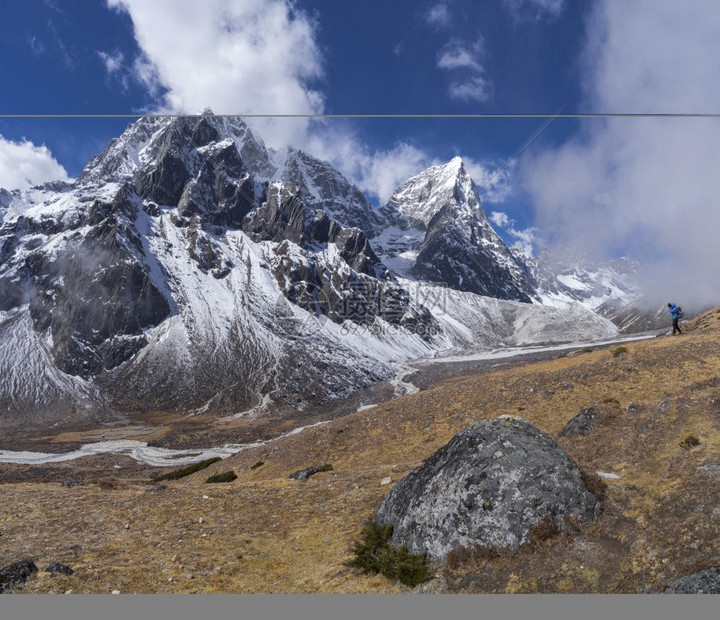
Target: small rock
pixel 70 483
pixel 604 474
pixel 16 573
pixel 206 497
pixel 68 591
pixel 201 521
pixel 711 468
pixel 127 526
pixel 703 582
pixel 190 576
pixel 386 481
pixel 115 592
pixel 170 578
pixel 157 488
pixel 174 558
pixel 304 474
pixel 59 569
pixel 582 423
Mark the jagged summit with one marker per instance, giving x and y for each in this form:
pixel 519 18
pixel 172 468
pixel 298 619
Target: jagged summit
pixel 191 268
pixel 440 233
pixel 420 198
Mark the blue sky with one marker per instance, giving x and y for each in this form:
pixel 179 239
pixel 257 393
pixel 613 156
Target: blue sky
pixel 375 57
pixel 611 187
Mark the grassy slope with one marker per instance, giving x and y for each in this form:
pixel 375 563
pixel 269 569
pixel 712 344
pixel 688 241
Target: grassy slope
pixel 265 533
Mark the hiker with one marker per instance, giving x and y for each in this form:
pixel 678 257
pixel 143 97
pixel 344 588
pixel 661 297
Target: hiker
pixel 676 314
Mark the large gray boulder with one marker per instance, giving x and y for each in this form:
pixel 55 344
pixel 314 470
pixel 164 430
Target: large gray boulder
pixel 704 582
pixel 489 485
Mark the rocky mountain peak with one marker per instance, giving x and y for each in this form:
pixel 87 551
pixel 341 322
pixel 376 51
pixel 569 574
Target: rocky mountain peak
pixel 439 232
pixel 445 187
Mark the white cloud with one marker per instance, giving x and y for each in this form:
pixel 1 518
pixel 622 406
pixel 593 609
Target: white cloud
pixel 534 9
pixel 438 15
pixel 645 186
pixel 255 56
pixel 377 172
pixel 23 164
pixel 492 180
pixel 475 88
pixel 262 57
pixel 467 57
pixel 524 240
pixel 457 54
pixel 398 49
pixel 113 61
pixel 499 218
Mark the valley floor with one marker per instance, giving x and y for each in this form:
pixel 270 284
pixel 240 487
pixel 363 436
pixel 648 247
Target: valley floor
pixel 264 532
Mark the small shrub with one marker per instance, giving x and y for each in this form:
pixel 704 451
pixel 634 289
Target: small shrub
pixel 190 469
pixel 617 352
pixel 373 554
pixel 543 530
pixel 690 442
pixel 595 484
pixel 572 523
pixel 611 401
pixel 227 476
pixel 107 484
pixel 257 464
pixel 472 556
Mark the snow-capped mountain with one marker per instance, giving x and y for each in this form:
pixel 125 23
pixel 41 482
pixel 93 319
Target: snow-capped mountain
pixel 569 276
pixel 610 289
pixel 439 233
pixel 190 268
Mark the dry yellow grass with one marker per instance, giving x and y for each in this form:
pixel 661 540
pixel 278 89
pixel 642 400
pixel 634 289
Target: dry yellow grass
pixel 266 533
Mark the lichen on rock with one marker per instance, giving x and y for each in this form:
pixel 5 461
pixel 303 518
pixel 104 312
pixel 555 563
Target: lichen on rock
pixel 488 486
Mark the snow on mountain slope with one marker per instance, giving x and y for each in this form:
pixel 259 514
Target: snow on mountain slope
pixel 473 321
pixel 439 233
pixel 570 277
pixel 325 188
pixel 191 269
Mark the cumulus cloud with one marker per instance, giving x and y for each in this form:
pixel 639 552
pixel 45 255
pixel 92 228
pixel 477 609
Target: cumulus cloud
pixel 499 218
pixel 645 187
pixel 522 10
pixel 262 57
pixel 376 172
pixel 457 54
pixel 23 164
pixel 492 179
pixel 522 239
pixel 438 15
pixel 250 57
pixel 466 57
pixel 475 88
